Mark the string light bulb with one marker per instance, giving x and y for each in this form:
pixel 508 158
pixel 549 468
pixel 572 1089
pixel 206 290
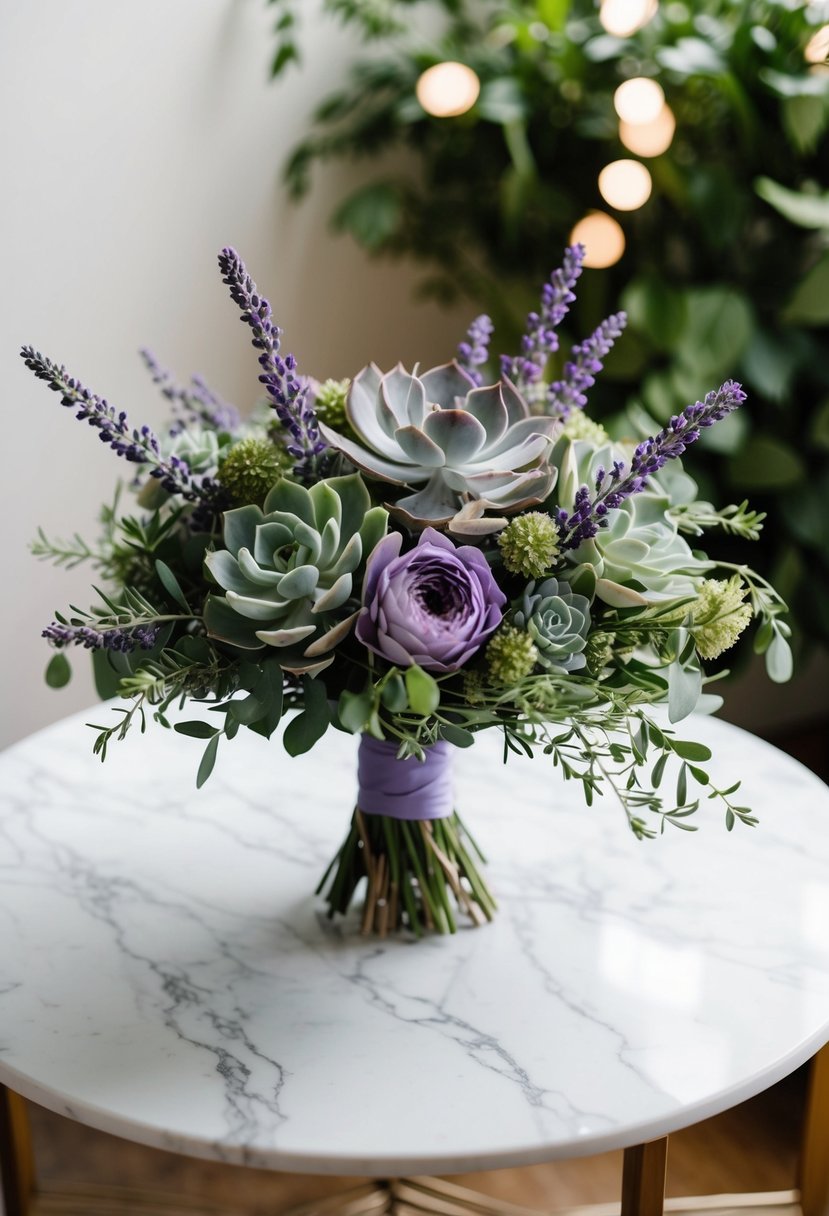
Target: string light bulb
pixel 448 89
pixel 649 138
pixel 602 237
pixel 639 100
pixel 817 48
pixel 625 17
pixel 625 184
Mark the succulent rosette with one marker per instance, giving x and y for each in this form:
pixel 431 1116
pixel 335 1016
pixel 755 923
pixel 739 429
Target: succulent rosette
pixel 472 449
pixel 434 606
pixel 557 619
pixel 288 571
pixel 639 555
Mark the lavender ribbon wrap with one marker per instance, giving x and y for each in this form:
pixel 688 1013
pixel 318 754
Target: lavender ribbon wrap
pixel 404 789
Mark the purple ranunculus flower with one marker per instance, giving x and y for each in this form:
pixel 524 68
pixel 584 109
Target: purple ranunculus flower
pixel 434 606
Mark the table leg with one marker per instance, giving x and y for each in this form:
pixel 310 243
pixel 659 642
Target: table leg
pixel 643 1178
pixel 814 1160
pixel 17 1171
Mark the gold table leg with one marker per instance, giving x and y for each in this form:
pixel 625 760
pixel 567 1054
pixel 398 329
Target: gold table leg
pixel 814 1160
pixel 17 1168
pixel 643 1178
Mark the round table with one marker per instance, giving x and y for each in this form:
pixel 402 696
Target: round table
pixel 166 973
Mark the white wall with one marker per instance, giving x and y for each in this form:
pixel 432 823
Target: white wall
pixel 137 140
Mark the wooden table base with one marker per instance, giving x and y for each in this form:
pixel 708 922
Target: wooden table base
pixel 643 1183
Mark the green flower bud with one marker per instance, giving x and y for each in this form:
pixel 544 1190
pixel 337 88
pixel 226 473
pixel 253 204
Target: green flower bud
pixel 473 685
pixel 720 615
pixel 251 468
pixel 529 544
pixel 598 652
pixel 579 426
pixel 510 655
pixel 329 404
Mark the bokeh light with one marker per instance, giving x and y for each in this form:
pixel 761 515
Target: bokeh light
pixel 448 89
pixel 602 237
pixel 817 48
pixel 639 100
pixel 625 17
pixel 649 138
pixel 625 184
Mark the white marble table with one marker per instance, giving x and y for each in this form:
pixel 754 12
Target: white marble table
pixel 166 973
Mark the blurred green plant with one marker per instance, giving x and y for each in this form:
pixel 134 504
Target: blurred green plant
pixel 726 266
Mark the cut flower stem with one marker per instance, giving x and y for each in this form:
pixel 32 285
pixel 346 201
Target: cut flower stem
pixel 418 875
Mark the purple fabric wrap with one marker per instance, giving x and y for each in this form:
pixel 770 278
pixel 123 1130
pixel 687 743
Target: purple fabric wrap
pixel 404 789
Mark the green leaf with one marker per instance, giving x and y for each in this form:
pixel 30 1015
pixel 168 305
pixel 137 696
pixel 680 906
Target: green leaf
pixel 423 690
pixel 502 101
pixel 207 761
pixel 689 750
pixel 371 215
pixel 58 671
pixel 779 662
pixel 308 727
pixel 691 57
pixel 804 121
pixel 394 695
pixel 457 735
pixel 769 365
pixel 659 311
pixel 810 303
pixel 719 326
pixel 785 85
pixel 354 709
pixel 684 687
pixel 246 710
pixel 285 54
pixel 196 730
pixel 766 463
pixel 806 210
pixel 106 677
pixel 170 584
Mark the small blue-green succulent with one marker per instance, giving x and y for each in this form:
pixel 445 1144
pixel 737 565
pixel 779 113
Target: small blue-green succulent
pixel 469 449
pixel 557 619
pixel 288 571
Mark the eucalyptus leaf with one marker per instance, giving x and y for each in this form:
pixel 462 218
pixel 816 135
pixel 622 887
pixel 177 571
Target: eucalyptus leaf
pixel 58 671
pixel 208 760
pixel 423 690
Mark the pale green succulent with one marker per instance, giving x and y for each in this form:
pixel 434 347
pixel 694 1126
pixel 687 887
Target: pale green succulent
pixel 470 449
pixel 288 571
pixel 557 619
pixel 639 556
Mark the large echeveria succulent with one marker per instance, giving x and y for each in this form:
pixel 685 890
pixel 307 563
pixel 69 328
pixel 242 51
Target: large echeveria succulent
pixel 288 571
pixel 471 449
pixel 639 555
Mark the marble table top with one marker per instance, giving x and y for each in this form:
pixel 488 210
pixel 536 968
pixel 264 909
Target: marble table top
pixel 166 973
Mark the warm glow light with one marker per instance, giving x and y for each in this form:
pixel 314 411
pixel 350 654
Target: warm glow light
pixel 625 17
pixel 639 100
pixel 625 184
pixel 817 48
pixel 448 89
pixel 602 237
pixel 649 138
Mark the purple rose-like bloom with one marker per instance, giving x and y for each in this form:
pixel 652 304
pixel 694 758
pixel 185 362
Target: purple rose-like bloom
pixel 434 606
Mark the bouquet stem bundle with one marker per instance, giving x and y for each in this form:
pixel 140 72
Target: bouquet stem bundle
pixel 419 875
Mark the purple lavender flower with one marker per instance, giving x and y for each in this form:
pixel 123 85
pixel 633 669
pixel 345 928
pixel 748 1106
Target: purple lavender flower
pixel 289 394
pixel 116 638
pixel 541 340
pixel 434 606
pixel 584 365
pixel 195 404
pixel 475 350
pixel 136 446
pixel 613 486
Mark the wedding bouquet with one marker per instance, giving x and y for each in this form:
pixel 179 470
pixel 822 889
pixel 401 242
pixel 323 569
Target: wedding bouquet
pixel 416 556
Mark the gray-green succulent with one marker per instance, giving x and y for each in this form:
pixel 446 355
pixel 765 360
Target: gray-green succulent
pixel 288 571
pixel 640 555
pixel 470 449
pixel 557 619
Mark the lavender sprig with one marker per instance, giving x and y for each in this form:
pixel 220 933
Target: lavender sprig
pixel 475 349
pixel 541 340
pixel 287 391
pixel 192 404
pixel 584 365
pixel 613 486
pixel 136 446
pixel 118 638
